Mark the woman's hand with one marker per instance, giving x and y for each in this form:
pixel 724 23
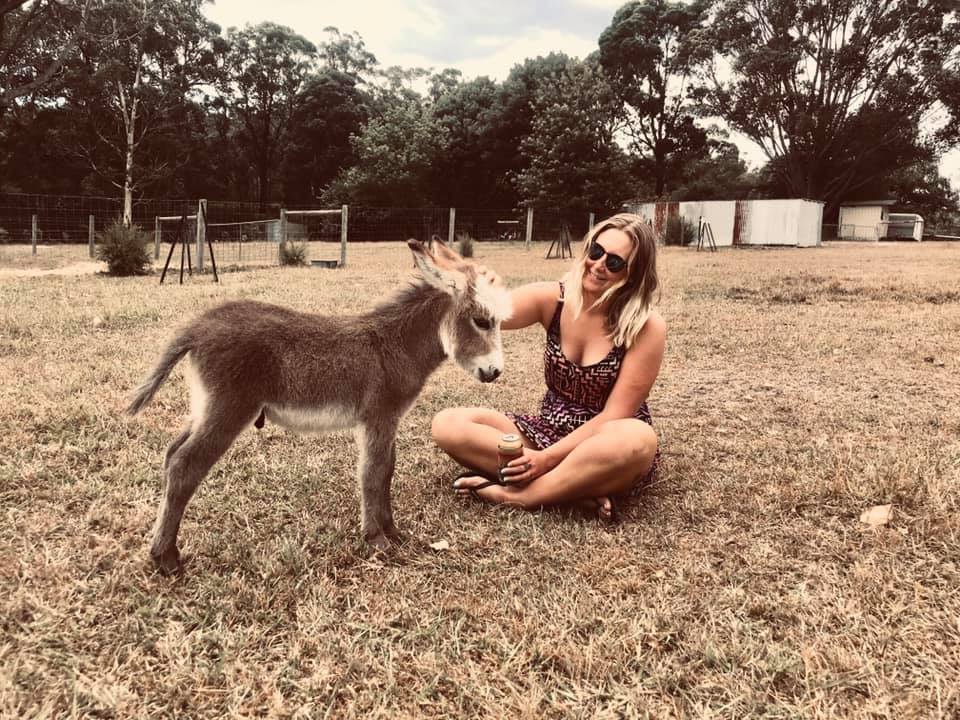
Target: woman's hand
pixel 528 467
pixel 485 272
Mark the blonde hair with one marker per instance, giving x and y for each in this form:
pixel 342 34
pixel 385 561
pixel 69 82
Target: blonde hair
pixel 628 301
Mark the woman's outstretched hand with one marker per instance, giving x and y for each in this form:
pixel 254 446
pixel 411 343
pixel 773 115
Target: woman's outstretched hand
pixel 490 275
pixel 527 467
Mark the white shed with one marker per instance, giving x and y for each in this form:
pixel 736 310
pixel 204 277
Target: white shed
pixel 905 225
pixel 863 220
pixel 795 223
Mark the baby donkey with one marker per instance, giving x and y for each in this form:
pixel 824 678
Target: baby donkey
pixel 315 373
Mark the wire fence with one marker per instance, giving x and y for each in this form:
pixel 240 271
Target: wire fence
pixel 889 230
pixel 250 234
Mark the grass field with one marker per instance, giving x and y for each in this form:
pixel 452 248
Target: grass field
pixel 800 387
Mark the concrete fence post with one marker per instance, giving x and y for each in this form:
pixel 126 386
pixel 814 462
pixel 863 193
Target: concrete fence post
pixel 156 237
pixel 33 234
pixel 453 224
pixel 529 236
pixel 91 227
pixel 344 217
pixel 590 222
pixel 201 232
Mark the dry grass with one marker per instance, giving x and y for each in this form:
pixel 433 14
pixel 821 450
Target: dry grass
pixel 800 387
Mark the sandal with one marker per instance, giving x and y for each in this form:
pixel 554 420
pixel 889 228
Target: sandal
pixel 489 480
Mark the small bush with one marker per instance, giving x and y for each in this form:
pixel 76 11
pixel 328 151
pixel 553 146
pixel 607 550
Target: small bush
pixel 293 254
pixel 124 249
pixel 465 245
pixel 679 231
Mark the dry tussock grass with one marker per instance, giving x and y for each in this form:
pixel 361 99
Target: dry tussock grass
pixel 800 386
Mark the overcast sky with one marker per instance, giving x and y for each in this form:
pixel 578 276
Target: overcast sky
pixel 477 37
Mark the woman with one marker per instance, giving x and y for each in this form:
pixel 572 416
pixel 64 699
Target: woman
pixel 592 439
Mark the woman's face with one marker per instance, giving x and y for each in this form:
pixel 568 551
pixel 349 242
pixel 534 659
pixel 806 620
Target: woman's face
pixel 598 277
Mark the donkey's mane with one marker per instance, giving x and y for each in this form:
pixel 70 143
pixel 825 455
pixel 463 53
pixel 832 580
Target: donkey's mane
pixel 411 302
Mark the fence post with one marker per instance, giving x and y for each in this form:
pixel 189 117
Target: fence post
pixel 529 237
pixel 453 224
pixel 156 237
pixel 33 233
pixel 344 216
pixel 201 232
pixel 90 230
pixel 590 223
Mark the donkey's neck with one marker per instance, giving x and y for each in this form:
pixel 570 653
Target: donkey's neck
pixel 410 321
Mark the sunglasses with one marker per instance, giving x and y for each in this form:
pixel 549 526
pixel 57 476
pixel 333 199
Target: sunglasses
pixel 614 263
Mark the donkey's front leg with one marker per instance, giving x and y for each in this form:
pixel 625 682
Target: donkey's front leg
pixel 375 470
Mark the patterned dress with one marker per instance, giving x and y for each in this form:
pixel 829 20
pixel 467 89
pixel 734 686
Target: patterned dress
pixel 575 393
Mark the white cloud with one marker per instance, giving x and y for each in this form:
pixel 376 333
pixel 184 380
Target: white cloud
pixel 513 51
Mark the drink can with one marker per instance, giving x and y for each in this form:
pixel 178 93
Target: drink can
pixel 509 447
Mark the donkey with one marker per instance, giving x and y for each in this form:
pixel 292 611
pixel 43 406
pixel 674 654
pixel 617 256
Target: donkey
pixel 315 373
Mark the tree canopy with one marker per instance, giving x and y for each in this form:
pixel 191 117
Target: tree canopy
pixel 836 93
pixel 847 98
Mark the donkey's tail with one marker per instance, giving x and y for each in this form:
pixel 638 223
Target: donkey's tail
pixel 179 347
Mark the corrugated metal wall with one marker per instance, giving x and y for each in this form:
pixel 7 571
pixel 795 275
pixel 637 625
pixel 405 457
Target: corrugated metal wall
pixel 861 222
pixel 795 223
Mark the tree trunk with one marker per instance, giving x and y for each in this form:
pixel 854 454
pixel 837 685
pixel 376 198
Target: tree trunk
pixel 128 180
pixel 659 173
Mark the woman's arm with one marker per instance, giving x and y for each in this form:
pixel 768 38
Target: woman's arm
pixel 641 365
pixel 532 303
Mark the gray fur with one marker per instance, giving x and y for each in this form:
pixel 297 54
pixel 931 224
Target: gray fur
pixel 318 372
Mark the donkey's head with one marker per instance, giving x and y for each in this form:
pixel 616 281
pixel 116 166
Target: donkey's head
pixel 470 332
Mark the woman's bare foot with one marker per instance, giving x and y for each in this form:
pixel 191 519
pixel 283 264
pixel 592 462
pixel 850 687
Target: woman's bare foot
pixel 481 488
pixel 602 506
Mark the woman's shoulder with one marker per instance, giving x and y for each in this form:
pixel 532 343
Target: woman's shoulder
pixel 652 334
pixel 656 322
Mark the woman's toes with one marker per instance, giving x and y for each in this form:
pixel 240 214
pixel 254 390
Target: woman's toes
pixel 605 509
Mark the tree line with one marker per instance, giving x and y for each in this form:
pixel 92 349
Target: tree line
pixel 849 99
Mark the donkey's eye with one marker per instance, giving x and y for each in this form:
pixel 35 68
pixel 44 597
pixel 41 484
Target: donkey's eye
pixel 482 323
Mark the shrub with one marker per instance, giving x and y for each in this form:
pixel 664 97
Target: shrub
pixel 679 231
pixel 293 254
pixel 124 249
pixel 465 245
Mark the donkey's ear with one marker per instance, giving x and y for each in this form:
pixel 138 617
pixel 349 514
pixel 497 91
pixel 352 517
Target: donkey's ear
pixel 443 252
pixel 448 280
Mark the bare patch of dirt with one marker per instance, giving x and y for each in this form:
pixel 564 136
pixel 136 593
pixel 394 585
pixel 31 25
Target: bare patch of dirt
pixel 79 268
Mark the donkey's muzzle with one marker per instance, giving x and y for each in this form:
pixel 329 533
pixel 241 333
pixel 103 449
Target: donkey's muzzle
pixel 488 375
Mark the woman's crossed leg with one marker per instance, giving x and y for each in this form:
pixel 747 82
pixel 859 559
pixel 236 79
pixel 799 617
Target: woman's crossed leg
pixel 609 462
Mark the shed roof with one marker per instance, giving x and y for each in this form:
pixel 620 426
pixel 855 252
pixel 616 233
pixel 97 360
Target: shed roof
pixel 864 203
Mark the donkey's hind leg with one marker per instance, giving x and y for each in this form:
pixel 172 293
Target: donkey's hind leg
pixel 375 469
pixel 174 446
pixel 189 459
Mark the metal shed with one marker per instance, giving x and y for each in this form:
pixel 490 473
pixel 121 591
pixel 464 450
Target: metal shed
pixel 905 225
pixel 792 223
pixel 863 220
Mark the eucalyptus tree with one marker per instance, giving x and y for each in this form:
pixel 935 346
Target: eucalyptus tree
pixel 395 152
pixel 328 111
pixel 838 93
pixel 136 64
pixel 36 38
pixel 267 66
pixel 571 158
pixel 510 120
pixel 651 53
pixel 466 173
pixel 347 53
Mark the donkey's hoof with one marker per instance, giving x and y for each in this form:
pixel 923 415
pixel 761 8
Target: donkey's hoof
pixel 382 540
pixel 168 562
